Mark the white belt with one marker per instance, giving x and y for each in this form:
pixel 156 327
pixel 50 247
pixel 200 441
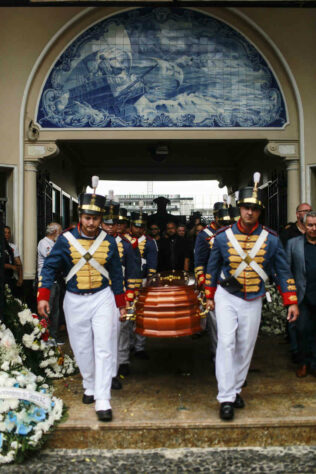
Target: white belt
pixel 248 258
pixel 87 256
pixel 208 232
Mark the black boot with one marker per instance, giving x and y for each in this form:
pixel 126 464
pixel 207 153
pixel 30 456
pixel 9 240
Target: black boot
pixel 116 384
pixel 226 411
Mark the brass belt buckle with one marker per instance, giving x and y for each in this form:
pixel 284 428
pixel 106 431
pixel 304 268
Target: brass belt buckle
pixel 87 256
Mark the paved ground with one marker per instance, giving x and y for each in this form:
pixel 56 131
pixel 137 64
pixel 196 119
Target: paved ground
pixel 288 460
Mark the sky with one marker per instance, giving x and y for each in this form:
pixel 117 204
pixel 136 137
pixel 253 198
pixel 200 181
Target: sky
pixel 205 193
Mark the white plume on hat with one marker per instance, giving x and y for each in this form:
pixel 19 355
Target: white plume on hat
pixel 141 204
pixel 111 195
pixel 256 178
pixel 236 195
pixel 94 183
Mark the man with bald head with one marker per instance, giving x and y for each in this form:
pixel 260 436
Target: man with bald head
pixel 294 229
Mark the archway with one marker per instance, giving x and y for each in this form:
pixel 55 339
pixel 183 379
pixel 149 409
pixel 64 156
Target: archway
pixel 178 77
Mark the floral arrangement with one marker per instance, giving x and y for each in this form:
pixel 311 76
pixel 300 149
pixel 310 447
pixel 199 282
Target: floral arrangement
pixel 42 356
pixel 28 410
pixel 273 321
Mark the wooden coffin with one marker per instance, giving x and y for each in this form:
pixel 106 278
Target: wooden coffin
pixel 170 310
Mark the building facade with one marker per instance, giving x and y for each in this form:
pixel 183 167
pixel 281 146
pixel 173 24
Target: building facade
pixel 151 93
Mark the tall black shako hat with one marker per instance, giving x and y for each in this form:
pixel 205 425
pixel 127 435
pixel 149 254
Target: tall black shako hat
pixel 139 219
pixel 234 213
pixel 251 195
pixel 91 203
pixel 224 216
pixel 122 215
pixel 220 205
pixel 111 212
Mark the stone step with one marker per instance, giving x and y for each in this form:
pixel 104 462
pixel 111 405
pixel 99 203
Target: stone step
pixel 170 402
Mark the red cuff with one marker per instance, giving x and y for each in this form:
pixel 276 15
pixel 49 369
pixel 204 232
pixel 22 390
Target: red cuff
pixel 210 292
pixel 289 298
pixel 43 294
pixel 120 300
pixel 130 295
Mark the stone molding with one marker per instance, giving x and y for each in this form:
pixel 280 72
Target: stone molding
pixel 40 150
pixel 288 150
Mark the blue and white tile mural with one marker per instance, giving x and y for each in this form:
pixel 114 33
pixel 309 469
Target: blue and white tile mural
pixel 161 67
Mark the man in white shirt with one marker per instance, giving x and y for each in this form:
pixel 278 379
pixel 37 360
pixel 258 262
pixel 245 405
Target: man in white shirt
pixel 53 230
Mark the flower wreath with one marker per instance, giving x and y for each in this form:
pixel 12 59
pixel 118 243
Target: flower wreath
pixel 23 422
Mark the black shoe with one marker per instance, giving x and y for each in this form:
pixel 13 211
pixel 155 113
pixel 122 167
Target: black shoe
pixel 116 384
pixel 142 355
pixel 124 370
pixel 226 411
pixel 87 399
pixel 104 415
pixel 239 403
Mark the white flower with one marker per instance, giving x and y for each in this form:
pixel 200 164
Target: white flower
pixel 25 316
pixel 5 366
pixel 27 340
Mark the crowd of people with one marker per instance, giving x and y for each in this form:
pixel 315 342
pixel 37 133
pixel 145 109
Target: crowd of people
pixel 101 263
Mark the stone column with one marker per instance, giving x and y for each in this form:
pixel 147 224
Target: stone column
pixel 33 155
pixel 289 151
pixel 293 187
pixel 30 220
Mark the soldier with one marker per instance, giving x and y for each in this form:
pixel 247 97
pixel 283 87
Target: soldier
pixel 148 252
pixel 242 257
pixel 131 267
pixel 202 249
pixel 90 259
pixel 123 221
pixel 203 245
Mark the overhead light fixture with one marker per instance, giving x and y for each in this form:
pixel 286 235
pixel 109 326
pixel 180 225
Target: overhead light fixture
pixel 160 152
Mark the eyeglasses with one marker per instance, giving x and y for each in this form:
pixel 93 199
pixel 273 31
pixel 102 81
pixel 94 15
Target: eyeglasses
pixel 305 210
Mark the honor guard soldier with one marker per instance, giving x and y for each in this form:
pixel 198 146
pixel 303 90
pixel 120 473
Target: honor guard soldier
pixel 202 249
pixel 90 259
pixel 203 245
pixel 131 267
pixel 123 221
pixel 242 258
pixel 148 253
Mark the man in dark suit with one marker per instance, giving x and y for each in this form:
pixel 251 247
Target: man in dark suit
pixel 174 251
pixel 301 254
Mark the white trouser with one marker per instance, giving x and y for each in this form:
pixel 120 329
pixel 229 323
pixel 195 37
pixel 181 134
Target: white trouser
pixel 115 342
pixel 212 330
pixel 124 344
pixel 91 322
pixel 237 329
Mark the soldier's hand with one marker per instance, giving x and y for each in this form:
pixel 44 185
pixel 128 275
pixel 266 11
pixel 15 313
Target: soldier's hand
pixel 210 305
pixel 43 308
pixel 292 313
pixel 122 314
